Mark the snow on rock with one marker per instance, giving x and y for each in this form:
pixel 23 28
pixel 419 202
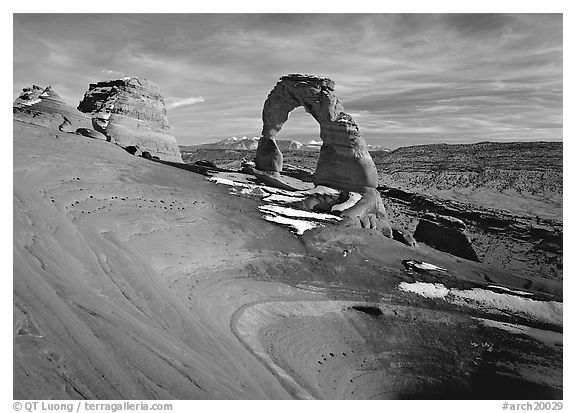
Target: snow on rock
pixel 352 200
pixel 421 265
pixel 545 336
pixel 226 181
pixel 429 290
pixel 544 311
pixel 518 292
pixel 296 213
pixel 298 220
pixel 31 103
pixel 257 191
pixel 283 199
pixel 297 224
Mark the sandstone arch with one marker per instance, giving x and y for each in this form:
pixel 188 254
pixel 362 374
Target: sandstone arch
pixel 344 160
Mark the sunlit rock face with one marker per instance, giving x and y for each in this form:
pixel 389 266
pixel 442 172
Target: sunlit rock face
pixel 131 112
pixel 344 161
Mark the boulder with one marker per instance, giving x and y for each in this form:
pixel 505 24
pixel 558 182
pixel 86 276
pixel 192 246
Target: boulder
pixel 344 161
pixel 146 154
pixel 90 133
pixel 446 234
pixel 404 236
pixel 131 149
pixel 131 112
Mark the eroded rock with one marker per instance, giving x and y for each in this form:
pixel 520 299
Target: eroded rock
pixel 131 112
pixel 368 212
pixel 90 133
pixel 404 236
pixel 344 161
pixel 131 149
pixel 44 107
pixel 447 234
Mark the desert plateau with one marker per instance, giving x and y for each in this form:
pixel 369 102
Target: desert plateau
pixel 146 268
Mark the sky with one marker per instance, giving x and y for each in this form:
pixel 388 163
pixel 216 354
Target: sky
pixel 406 79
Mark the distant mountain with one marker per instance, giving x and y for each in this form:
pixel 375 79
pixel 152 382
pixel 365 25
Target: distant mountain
pixel 377 148
pixel 233 143
pixel 250 144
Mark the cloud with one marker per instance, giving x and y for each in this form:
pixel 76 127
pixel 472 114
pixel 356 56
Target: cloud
pixel 173 102
pixel 416 78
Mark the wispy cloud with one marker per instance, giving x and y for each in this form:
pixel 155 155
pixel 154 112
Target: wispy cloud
pixel 408 79
pixel 174 102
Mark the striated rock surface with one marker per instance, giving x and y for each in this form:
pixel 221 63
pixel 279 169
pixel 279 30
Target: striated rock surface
pixel 344 161
pixel 131 112
pixel 44 107
pixel 447 234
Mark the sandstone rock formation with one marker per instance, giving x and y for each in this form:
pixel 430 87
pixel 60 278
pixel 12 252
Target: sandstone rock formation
pixel 131 112
pixel 447 234
pixel 368 212
pixel 43 107
pixel 344 161
pixel 403 235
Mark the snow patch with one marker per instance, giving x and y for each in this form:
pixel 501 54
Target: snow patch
pixel 296 213
pixel 545 336
pixel 298 225
pixel 352 200
pixel 31 103
pixel 429 290
pixel 283 199
pixel 298 220
pixel 421 265
pixel 544 311
pixel 226 181
pixel 498 287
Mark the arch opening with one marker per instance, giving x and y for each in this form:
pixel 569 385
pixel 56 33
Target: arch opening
pixel 300 126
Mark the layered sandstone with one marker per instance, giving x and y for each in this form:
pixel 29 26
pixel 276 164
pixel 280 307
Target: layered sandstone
pixel 344 161
pixel 132 112
pixel 44 107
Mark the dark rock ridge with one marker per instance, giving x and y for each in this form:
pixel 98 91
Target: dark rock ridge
pixel 523 244
pixel 344 161
pixel 131 112
pixel 44 107
pixel 447 234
